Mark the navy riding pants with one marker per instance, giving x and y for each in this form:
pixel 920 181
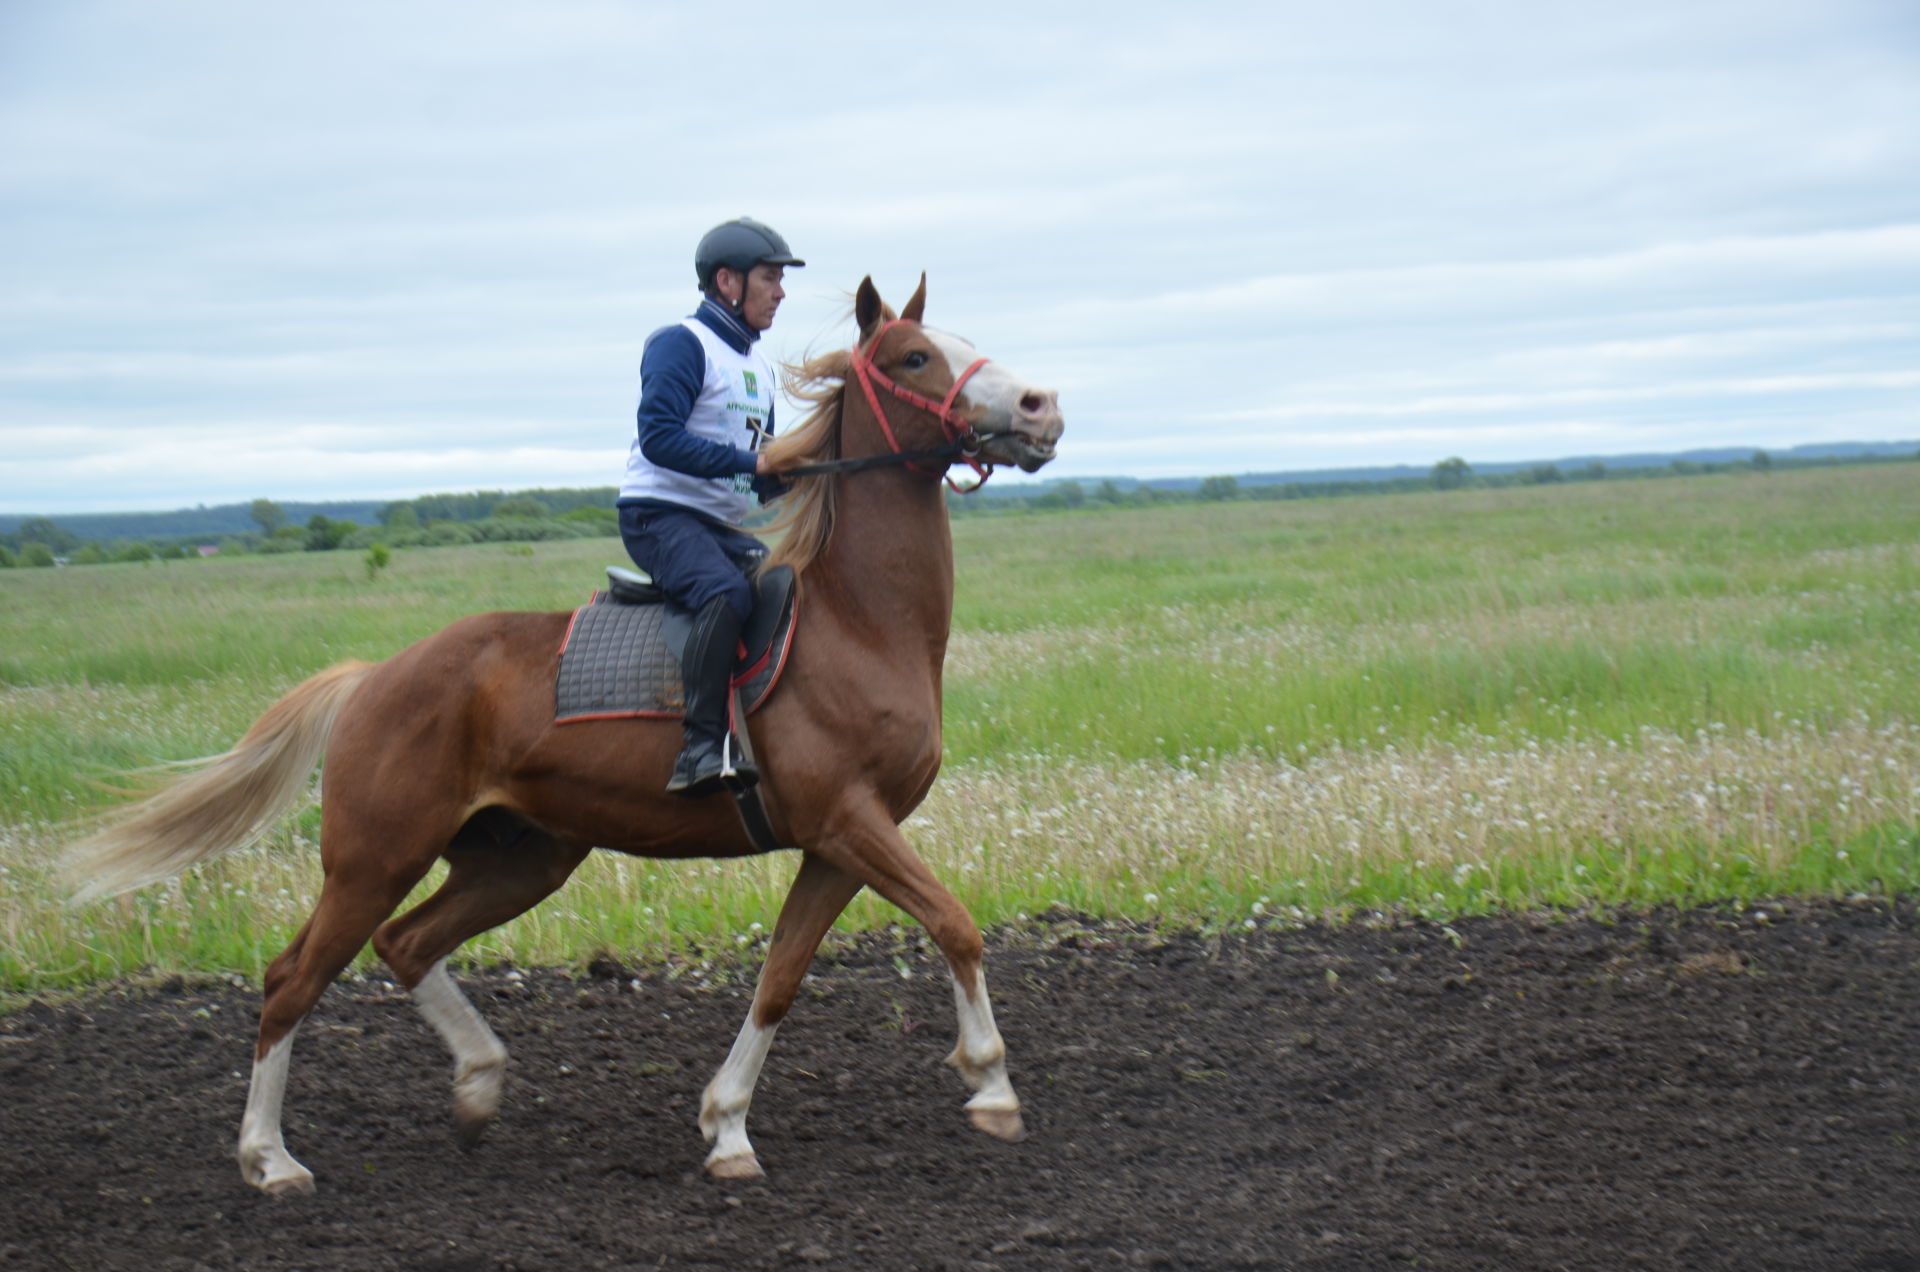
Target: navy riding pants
pixel 691 558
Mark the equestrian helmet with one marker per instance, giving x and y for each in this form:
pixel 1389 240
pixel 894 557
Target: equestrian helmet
pixel 740 244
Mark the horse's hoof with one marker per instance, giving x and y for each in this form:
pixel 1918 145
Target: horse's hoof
pixel 739 1166
pixel 469 1131
pixel 273 1171
pixel 1002 1124
pixel 289 1185
pixel 476 1100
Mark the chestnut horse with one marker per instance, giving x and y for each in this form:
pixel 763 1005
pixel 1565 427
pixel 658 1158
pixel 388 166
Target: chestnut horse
pixel 448 749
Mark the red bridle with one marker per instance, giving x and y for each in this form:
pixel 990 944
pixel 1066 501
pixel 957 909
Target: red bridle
pixel 961 437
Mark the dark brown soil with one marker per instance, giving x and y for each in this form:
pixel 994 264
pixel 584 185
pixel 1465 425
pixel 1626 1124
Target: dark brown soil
pixel 1714 1089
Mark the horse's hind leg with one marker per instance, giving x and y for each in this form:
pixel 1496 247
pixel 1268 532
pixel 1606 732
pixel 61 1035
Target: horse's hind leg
pixel 346 915
pixel 494 874
pixel 264 1160
pixel 820 891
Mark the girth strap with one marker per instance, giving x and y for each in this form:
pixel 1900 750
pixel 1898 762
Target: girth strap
pixel 753 809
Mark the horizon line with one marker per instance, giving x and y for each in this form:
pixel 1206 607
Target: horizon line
pixel 1889 445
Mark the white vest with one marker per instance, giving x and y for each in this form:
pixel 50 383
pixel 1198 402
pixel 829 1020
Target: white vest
pixel 735 401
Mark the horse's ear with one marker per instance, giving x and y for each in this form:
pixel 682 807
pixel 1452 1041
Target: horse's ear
pixel 867 306
pixel 918 304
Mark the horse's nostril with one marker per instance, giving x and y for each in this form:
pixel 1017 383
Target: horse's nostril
pixel 1033 403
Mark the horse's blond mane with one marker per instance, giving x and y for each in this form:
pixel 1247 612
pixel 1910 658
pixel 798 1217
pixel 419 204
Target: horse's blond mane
pixel 805 517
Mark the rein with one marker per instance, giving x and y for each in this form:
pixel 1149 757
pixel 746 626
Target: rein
pixel 963 440
pixel 942 454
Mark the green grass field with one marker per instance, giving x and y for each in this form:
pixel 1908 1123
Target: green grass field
pixel 1224 713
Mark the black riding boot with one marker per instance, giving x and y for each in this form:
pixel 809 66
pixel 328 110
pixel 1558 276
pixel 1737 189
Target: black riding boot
pixel 706 666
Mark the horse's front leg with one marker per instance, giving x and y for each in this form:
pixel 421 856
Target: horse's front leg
pixel 881 857
pixel 820 891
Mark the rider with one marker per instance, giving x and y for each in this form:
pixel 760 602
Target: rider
pixel 706 409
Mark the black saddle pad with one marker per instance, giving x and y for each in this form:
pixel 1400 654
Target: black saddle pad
pixel 622 660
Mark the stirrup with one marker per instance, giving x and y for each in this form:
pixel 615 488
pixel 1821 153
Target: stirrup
pixel 741 775
pixel 710 772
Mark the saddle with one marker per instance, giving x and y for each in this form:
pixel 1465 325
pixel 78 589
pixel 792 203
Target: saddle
pixel 620 657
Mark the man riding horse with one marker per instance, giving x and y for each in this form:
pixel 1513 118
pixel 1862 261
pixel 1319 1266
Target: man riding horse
pixel 706 409
pixel 449 751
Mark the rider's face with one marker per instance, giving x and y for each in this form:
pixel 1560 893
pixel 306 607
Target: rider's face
pixel 764 294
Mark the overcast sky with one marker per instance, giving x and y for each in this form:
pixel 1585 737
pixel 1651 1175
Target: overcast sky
pixel 351 250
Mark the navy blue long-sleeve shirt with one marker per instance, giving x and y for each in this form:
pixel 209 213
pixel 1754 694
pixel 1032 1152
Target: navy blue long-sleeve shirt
pixel 673 368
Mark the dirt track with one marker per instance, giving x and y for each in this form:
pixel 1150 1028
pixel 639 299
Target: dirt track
pixel 1707 1090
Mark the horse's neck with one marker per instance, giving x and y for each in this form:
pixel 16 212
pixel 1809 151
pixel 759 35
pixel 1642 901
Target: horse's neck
pixel 888 566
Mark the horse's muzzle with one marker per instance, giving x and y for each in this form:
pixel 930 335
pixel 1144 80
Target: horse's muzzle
pixel 1027 435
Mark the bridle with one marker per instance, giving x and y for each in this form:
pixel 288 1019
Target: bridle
pixel 963 440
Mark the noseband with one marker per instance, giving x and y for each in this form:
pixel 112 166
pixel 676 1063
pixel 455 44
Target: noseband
pixel 963 441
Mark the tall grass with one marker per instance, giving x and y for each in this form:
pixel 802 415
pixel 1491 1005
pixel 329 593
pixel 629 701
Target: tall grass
pixel 1217 713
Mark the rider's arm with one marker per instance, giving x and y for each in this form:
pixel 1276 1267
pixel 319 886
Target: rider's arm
pixel 672 370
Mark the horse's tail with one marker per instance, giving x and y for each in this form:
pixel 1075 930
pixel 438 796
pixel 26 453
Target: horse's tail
pixel 230 801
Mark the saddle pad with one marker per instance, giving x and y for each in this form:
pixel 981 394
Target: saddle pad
pixel 620 661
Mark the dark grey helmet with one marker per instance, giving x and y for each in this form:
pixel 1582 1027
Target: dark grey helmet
pixel 740 244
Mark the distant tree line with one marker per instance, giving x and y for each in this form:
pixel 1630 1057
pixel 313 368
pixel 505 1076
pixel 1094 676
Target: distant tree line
pixel 1452 473
pixel 479 505
pixel 498 516
pixel 429 521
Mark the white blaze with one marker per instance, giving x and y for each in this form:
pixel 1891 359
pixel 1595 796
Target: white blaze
pixel 993 386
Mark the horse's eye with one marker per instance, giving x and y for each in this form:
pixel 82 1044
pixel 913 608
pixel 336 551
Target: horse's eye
pixel 915 360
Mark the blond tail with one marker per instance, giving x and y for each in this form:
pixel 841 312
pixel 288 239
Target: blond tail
pixel 235 798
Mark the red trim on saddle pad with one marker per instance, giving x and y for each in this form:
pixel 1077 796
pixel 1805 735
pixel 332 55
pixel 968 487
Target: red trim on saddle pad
pixel 571 620
pixel 621 715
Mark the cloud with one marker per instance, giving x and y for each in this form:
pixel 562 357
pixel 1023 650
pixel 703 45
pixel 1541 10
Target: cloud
pixel 330 244
pixel 1866 260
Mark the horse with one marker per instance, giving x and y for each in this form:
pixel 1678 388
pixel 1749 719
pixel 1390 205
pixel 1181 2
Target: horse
pixel 448 749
